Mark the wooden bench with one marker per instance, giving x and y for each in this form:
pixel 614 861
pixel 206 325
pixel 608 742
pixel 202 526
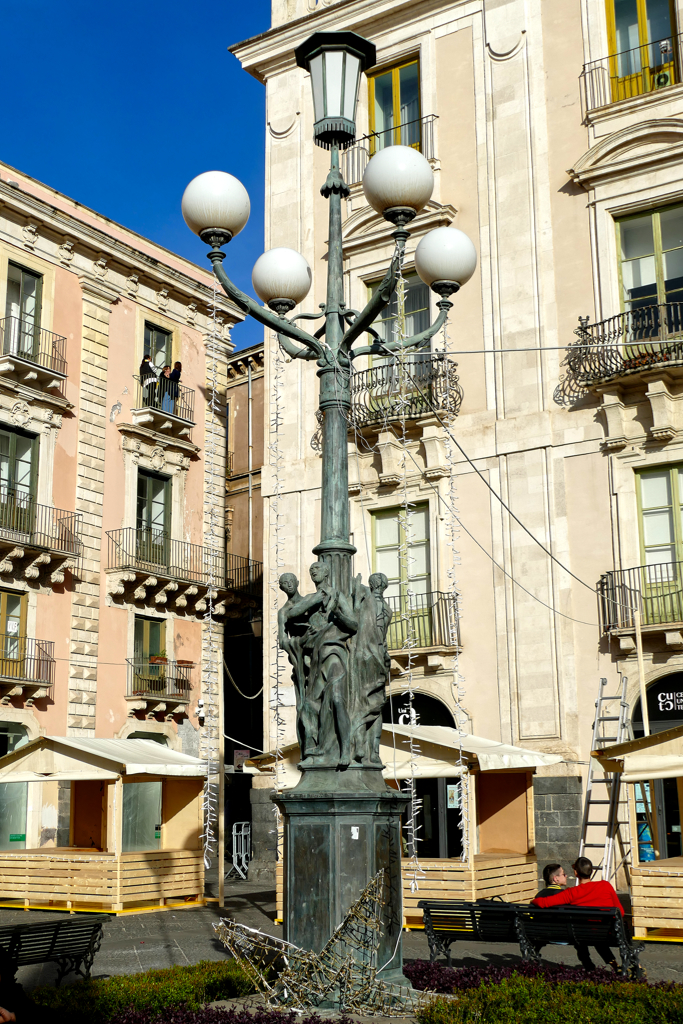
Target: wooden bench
pixel 71 943
pixel 530 927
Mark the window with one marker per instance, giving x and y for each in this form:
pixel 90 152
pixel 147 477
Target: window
pixel 149 638
pixel 642 36
pixel 395 107
pixel 404 560
pixel 13 795
pixel 141 816
pixel 416 309
pixel 158 345
pixel 18 471
pixel 651 258
pixel 13 645
pixel 661 515
pixel 23 305
pixel 153 517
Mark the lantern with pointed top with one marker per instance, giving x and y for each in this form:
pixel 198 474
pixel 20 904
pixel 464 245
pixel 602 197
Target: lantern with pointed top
pixel 335 61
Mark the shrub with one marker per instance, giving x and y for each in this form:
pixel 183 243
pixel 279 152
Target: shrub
pixel 215 1016
pixel 149 992
pixel 527 1000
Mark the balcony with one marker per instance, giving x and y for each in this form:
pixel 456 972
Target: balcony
pixel 37 540
pixel 147 566
pixel 428 621
pixel 27 668
pixel 655 590
pixel 621 76
pixel 165 406
pixel 380 396
pixel 156 686
pixel 418 134
pixel 32 356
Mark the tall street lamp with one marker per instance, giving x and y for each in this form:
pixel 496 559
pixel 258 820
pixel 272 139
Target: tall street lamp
pixel 342 822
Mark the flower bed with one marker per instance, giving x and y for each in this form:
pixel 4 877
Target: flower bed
pixel 542 994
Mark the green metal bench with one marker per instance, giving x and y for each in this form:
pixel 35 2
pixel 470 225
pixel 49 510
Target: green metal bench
pixel 71 943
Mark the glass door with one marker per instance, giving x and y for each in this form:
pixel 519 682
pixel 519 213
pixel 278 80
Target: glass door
pixel 651 271
pixel 402 554
pixel 395 107
pixel 158 346
pixel 18 465
pixel 150 655
pixel 141 816
pixel 642 44
pixel 153 518
pixel 13 643
pixel 23 305
pixel 661 522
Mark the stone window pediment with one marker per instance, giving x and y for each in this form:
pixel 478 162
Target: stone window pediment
pixel 632 150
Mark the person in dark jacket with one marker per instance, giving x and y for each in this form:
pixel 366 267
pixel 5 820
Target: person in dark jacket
pixel 148 381
pixel 555 878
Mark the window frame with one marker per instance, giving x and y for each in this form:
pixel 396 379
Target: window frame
pixel 372 287
pixel 13 433
pixel 149 325
pixel 655 215
pixel 638 82
pixel 395 70
pixel 676 508
pixel 39 293
pixel 394 511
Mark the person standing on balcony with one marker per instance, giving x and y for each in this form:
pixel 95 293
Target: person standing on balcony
pixel 148 381
pixel 174 383
pixel 165 386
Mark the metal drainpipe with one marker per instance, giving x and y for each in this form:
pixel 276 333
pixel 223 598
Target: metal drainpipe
pixel 250 454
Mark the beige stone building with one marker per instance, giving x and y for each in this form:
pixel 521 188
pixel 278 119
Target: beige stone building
pixel 112 494
pixel 555 135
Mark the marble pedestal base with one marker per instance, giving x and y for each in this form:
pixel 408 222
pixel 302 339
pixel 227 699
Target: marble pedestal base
pixel 341 828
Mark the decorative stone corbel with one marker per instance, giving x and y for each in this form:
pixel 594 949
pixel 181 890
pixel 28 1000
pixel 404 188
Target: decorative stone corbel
pixel 158 709
pixel 6 566
pixel 66 252
pixel 613 411
pixel 390 453
pixel 161 596
pixel 135 705
pixel 32 571
pixel 57 576
pixel 627 644
pixel 16 691
pixel 132 285
pixel 36 695
pixel 191 313
pixel 116 582
pixel 30 233
pixel 141 592
pixel 662 406
pixel 162 298
pixel 674 638
pixel 435 453
pixel 181 599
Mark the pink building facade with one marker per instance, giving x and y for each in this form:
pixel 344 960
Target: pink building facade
pixel 112 491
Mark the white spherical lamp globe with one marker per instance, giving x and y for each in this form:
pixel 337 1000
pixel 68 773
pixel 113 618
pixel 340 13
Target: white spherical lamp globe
pixel 216 200
pixel 398 176
pixel 445 254
pixel 281 274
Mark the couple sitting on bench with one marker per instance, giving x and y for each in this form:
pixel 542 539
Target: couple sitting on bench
pixel 584 894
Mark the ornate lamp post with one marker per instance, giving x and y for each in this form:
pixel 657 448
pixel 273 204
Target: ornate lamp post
pixel 342 822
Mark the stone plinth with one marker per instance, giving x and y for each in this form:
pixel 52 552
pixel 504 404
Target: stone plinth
pixel 341 828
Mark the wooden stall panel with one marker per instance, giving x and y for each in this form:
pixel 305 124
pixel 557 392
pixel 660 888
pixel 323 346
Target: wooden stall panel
pixel 182 814
pixel 657 897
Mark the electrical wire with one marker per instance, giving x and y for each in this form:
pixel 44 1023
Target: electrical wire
pixel 227 672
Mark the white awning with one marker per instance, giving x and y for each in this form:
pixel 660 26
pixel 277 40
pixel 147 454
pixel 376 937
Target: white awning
pixel 658 756
pixel 66 758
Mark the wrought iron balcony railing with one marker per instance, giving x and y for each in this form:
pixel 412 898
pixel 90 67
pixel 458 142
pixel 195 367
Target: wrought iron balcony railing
pixel 26 661
pixel 159 677
pixel 23 339
pixel 419 134
pixel 383 393
pixel 424 620
pixel 154 552
pixel 656 590
pixel 620 76
pixel 620 346
pixel 26 523
pixel 165 396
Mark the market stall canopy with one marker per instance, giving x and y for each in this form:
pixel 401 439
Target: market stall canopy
pixel 659 756
pixel 64 758
pixel 438 755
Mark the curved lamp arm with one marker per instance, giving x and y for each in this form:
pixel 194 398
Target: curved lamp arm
pixel 379 300
pixel 293 350
pixel 276 323
pixel 414 342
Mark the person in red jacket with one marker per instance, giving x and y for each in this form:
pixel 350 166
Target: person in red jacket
pixel 586 894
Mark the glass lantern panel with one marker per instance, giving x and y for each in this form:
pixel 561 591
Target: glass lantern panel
pixel 351 86
pixel 317 86
pixel 334 73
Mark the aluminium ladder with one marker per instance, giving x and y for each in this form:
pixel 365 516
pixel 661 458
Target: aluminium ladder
pixel 606 810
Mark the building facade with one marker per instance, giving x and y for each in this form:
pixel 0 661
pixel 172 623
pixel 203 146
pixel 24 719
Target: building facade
pixel 112 491
pixel 554 133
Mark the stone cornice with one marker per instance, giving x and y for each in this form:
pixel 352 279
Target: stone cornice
pixel 239 362
pixel 97 242
pixel 273 51
pixel 636 149
pixel 155 440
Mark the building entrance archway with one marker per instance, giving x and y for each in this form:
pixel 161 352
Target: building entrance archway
pixel 659 824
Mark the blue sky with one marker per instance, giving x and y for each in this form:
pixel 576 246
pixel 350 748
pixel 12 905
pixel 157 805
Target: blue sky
pixel 120 105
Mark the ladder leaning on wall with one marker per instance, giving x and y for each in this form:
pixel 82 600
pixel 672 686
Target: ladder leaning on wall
pixel 605 823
